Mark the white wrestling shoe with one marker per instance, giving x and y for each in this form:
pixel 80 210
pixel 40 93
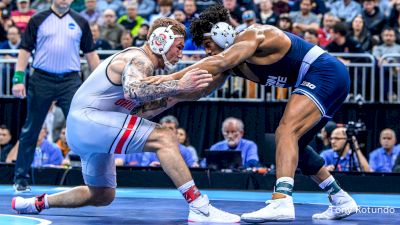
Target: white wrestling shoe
pixel 32 205
pixel 281 208
pixel 200 212
pixel 342 206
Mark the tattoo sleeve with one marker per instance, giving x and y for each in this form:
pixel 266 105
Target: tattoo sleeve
pixel 150 109
pixel 140 91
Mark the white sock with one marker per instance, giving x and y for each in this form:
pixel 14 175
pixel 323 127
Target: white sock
pixel 284 185
pixel 288 180
pixel 326 182
pixel 186 186
pixel 46 202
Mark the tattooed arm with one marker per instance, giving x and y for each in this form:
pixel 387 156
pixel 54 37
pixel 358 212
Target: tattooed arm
pixel 141 91
pixel 150 109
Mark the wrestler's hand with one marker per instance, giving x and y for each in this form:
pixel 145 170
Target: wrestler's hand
pixel 194 80
pixel 19 91
pixel 157 79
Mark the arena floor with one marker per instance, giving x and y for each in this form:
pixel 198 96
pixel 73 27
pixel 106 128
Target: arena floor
pixel 166 207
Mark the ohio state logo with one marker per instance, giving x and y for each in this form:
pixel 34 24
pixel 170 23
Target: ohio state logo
pixel 160 40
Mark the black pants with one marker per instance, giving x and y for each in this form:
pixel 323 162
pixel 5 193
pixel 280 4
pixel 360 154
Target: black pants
pixel 43 89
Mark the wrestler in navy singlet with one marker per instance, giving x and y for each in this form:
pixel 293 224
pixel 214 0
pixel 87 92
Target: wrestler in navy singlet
pixel 312 71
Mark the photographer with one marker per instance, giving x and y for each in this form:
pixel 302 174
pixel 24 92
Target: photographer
pixel 340 157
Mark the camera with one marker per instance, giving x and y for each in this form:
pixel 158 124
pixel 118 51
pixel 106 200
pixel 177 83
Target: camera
pixel 355 128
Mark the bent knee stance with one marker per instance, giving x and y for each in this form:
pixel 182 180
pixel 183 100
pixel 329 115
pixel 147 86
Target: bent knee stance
pixel 102 197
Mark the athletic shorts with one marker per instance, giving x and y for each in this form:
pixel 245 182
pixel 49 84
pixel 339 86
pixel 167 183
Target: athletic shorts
pixel 97 135
pixel 326 83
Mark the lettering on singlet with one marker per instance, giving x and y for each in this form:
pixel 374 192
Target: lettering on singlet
pixel 125 103
pixel 277 81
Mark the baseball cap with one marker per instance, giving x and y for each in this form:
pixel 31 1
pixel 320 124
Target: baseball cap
pixel 19 1
pixel 248 15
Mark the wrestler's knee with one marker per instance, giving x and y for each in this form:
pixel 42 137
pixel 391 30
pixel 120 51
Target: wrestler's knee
pixel 167 139
pixel 309 161
pixel 102 196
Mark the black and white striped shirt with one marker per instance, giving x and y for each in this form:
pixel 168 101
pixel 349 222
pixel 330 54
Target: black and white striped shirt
pixel 57 41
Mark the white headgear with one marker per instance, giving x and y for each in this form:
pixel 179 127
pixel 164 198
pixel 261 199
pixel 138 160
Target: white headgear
pixel 222 34
pixel 160 42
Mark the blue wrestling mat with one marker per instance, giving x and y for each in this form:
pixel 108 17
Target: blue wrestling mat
pixel 166 206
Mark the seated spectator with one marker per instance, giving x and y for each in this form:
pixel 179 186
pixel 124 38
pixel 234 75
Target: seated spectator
pixel 90 13
pixel 126 41
pixel 22 15
pixel 281 6
pixel 311 36
pixel 233 131
pixel 131 21
pixel 99 43
pixel 373 17
pixel 389 45
pixel 7 69
pixel 360 33
pixel 338 158
pixel 165 10
pixel 324 33
pixel 285 23
pixel 341 42
pixel 111 30
pixel 234 9
pixel 248 18
pixel 5 143
pixel 383 159
pixel 346 10
pixel 304 19
pixel 115 5
pixel 318 7
pixel 265 15
pixel 145 7
pixel 140 39
pixel 46 153
pixel 135 159
pixel 183 139
pixel 62 143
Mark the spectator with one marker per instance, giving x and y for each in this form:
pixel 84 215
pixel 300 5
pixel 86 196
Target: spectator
pixel 145 8
pixel 324 36
pixel 46 153
pixel 54 122
pixel 248 18
pixel 183 139
pixel 285 23
pixel 115 5
pixel 179 16
pixel 126 41
pixel 338 158
pixel 388 45
pixel 360 33
pixel 311 36
pixel 131 21
pixel 165 10
pixel 54 77
pixel 373 17
pixel 135 159
pixel 111 30
pixel 318 7
pixel 281 7
pixel 189 8
pixel 22 16
pixel 326 133
pixel 90 13
pixel 304 19
pixel 393 18
pixel 62 143
pixel 234 11
pixel 383 159
pixel 13 43
pixel 341 42
pixel 100 44
pixel 140 39
pixel 233 131
pixel 204 4
pixel 346 10
pixel 41 5
pixel 5 145
pixel 265 15
pixel 6 7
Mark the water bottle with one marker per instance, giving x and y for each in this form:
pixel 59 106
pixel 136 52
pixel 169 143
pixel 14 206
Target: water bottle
pixel 37 160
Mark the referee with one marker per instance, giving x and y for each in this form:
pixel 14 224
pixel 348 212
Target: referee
pixel 56 35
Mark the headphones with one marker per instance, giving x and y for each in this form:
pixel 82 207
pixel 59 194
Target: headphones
pixel 161 40
pixel 222 34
